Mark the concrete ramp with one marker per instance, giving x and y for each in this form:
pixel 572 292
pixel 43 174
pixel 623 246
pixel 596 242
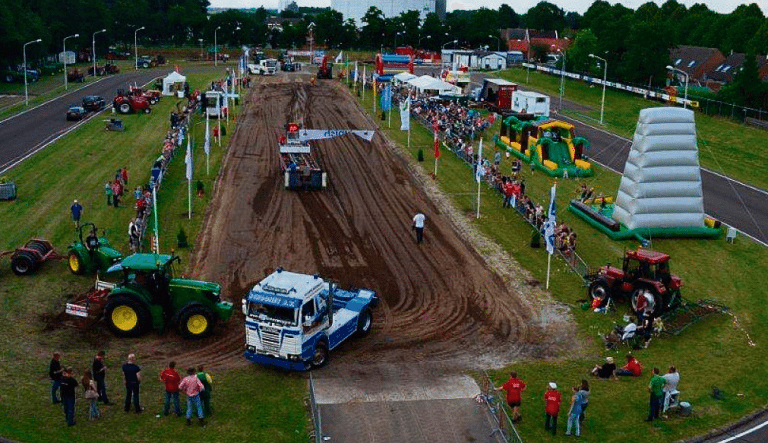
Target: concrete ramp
pixel 404 409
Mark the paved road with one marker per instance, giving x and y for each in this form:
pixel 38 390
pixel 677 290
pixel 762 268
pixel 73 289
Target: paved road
pixel 734 203
pixel 26 133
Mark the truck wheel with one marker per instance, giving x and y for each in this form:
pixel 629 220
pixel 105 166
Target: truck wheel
pixel 148 110
pixel 127 317
pixel 124 108
pixel 364 323
pixel 320 356
pixel 75 263
pixel 23 263
pixel 599 291
pixel 195 322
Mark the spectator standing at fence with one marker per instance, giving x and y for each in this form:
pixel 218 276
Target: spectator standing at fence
pixel 124 175
pixel 514 388
pixel 77 210
pixel 672 378
pixel 171 379
pixel 92 395
pixel 191 386
pixel 132 373
pixel 418 226
pixel 656 390
pixel 552 398
pixel 205 395
pixel 584 392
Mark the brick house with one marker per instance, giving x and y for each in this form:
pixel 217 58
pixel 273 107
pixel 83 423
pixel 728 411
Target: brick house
pixel 696 61
pixel 527 40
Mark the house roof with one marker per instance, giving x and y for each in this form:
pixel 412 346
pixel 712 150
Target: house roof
pixel 690 58
pixel 542 34
pixel 516 33
pixel 726 70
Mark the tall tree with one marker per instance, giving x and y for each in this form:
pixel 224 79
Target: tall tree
pixel 508 18
pixel 545 16
pixel 746 89
pixel 432 32
pixel 373 32
pixel 645 58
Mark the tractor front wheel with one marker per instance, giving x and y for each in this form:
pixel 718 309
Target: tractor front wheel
pixel 598 290
pixel 148 110
pixel 76 265
pixel 124 108
pixel 195 322
pixel 127 317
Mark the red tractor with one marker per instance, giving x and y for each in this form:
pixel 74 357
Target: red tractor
pixel 153 96
pixel 644 278
pixel 326 69
pixel 126 103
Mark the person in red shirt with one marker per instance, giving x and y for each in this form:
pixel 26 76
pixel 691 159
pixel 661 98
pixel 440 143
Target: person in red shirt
pixel 514 388
pixel 171 377
pixel 633 367
pixel 552 398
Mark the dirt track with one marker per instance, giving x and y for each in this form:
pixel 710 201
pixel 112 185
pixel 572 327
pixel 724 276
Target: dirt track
pixel 441 302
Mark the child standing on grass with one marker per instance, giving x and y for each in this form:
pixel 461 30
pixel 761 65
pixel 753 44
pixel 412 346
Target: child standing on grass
pixel 91 395
pixel 108 192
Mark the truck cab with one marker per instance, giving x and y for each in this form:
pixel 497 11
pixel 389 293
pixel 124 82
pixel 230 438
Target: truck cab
pixel 215 103
pixel 497 94
pixel 294 320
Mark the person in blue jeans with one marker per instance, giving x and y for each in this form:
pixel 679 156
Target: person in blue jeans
pixel 192 386
pixel 54 372
pixel 574 412
pixel 68 386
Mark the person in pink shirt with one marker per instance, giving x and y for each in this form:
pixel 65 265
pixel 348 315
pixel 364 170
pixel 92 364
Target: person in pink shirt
pixel 192 386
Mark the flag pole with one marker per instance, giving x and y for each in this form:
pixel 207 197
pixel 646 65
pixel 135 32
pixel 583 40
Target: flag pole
pixel 549 261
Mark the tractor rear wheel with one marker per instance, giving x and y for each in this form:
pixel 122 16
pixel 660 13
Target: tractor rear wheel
pixel 320 355
pixel 153 101
pixel 127 317
pixel 148 110
pixel 364 323
pixel 654 300
pixel 124 108
pixel 23 263
pixel 195 322
pixel 76 265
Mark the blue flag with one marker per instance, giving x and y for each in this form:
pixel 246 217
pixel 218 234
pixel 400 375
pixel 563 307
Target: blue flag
pixel 386 98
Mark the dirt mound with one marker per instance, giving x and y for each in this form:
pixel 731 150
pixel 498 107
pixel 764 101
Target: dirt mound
pixel 441 301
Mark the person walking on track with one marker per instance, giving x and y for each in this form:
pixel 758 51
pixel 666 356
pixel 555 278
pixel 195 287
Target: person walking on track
pixel 418 226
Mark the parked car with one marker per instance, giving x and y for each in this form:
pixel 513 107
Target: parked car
pixel 93 103
pixel 76 112
pixel 16 74
pixel 146 62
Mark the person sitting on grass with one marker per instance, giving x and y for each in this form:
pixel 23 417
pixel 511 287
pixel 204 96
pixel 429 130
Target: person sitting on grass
pixel 633 368
pixel 607 370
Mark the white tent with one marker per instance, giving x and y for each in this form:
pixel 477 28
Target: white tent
pixel 404 76
pixel 429 83
pixel 173 82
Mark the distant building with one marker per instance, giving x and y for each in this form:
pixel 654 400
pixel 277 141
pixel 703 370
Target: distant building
pixel 696 61
pixel 356 9
pixel 528 41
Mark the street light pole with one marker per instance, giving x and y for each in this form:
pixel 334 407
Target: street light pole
pixel 498 42
pixel 605 77
pixel 93 40
pixel 24 50
pixel 685 98
pixel 66 86
pixel 562 79
pixel 136 47
pixel 215 48
pixel 421 38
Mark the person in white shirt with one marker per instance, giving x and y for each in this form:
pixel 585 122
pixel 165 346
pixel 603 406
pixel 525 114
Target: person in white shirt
pixel 672 377
pixel 418 226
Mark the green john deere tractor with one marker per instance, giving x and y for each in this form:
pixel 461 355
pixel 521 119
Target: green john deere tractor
pixel 92 253
pixel 150 297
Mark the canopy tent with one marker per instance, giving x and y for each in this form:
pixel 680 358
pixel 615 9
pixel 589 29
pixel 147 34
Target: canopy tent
pixel 173 82
pixel 429 83
pixel 404 77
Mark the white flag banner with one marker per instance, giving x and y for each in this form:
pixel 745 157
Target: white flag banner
pixel 549 225
pixel 364 82
pixel 339 58
pixel 320 134
pixel 405 114
pixel 356 72
pixel 188 160
pixel 479 169
pixel 207 145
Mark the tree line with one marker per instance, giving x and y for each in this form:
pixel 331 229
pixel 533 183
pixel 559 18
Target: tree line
pixel 635 43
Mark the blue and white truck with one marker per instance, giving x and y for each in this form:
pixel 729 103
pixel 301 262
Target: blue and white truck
pixel 293 320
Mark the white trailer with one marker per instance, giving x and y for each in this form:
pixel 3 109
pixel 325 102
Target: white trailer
pixel 528 102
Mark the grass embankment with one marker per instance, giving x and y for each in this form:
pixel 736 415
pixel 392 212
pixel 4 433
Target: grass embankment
pixel 253 403
pixel 714 352
pixel 725 146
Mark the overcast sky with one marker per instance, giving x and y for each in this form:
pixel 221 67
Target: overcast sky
pixel 520 6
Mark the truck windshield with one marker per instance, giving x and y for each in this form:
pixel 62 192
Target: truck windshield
pixel 271 63
pixel 278 314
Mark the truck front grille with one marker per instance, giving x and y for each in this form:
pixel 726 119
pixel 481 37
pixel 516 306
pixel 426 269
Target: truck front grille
pixel 270 340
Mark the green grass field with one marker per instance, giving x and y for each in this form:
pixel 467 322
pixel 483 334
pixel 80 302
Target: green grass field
pixel 711 353
pixel 725 146
pixel 252 403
